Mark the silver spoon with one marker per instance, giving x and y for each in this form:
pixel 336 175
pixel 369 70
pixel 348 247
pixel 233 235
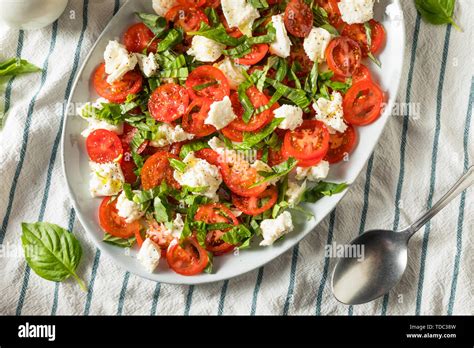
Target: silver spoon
pixel 358 280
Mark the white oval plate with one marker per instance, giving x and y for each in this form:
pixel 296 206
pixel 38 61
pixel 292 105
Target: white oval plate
pixel 76 168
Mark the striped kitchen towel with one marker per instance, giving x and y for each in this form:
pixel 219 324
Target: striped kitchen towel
pixel 425 147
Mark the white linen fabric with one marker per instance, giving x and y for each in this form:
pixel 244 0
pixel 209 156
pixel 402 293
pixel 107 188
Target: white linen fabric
pixel 422 151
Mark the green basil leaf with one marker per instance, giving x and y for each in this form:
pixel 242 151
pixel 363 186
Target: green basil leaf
pixel 237 234
pixel 258 4
pixel 127 189
pixel 171 39
pixel 161 210
pixel 204 85
pixel 311 84
pixel 177 164
pixel 213 16
pixel 245 101
pixel 51 251
pixel 252 139
pixel 210 263
pixel 297 96
pixel 157 24
pixel 192 147
pixel 437 11
pixel 321 190
pixel 120 242
pixel 218 34
pixel 17 66
pixel 278 171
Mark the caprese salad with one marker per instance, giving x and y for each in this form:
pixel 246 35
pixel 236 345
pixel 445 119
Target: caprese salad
pixel 217 118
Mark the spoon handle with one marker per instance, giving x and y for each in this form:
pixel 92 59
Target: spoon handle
pixel 463 183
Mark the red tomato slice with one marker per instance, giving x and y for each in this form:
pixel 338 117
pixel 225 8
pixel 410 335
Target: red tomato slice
pixel 233 134
pixel 114 224
pixel 332 9
pixel 258 204
pixel 168 102
pixel 234 32
pixel 212 3
pixel 156 169
pixel 343 56
pixel 341 144
pixel 298 18
pixel 238 180
pixel 127 137
pixel 217 84
pixel 188 18
pixel 118 91
pixel 258 52
pixel 258 121
pixel 275 157
pixel 208 155
pixel 138 37
pixel 357 33
pixel 301 59
pixel 103 146
pixel 363 103
pixel 310 141
pixel 216 213
pixel 193 121
pixel 187 259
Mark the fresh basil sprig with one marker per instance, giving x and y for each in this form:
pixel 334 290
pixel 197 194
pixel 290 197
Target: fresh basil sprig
pixel 120 242
pixel 156 24
pixel 277 172
pixel 51 251
pixel 437 11
pixel 322 189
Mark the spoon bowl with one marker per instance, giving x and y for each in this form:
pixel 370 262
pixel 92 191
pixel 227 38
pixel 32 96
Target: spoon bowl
pixel 382 260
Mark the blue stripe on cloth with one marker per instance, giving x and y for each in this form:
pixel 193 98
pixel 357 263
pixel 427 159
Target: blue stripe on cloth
pixel 123 293
pixel 459 232
pixel 26 132
pixel 403 142
pixel 324 277
pixel 189 300
pixel 220 309
pixel 90 289
pixel 57 139
pixel 156 296
pixel 291 285
pixel 434 158
pixel 365 207
pixel 8 92
pixel 70 227
pixel 116 6
pixel 258 283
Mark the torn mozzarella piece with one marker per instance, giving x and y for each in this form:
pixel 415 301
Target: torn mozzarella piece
pixel 118 61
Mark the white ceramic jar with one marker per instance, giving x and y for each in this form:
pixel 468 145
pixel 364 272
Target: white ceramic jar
pixel 30 14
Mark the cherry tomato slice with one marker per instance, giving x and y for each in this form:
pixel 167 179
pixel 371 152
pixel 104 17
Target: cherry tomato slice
pixel 114 224
pixel 332 9
pixel 168 102
pixel 298 18
pixel 193 121
pixel 258 121
pixel 239 178
pixel 258 204
pixel 156 169
pixel 363 103
pixel 301 60
pixel 187 258
pixel 118 91
pixel 208 155
pixel 310 141
pixel 103 146
pixel 188 18
pixel 233 134
pixel 343 56
pixel 234 32
pixel 216 213
pixel 138 37
pixel 358 33
pixel 127 137
pixel 212 3
pixel 341 144
pixel 257 53
pixel 275 157
pixel 215 80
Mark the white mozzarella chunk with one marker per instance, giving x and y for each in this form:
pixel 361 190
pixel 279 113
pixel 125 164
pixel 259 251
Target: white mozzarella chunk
pixel 200 173
pixel 314 173
pixel 118 61
pixel 220 113
pixel 316 43
pixel 233 72
pixel 295 192
pixel 263 167
pixel 106 179
pixel 161 7
pixel 282 44
pixel 331 113
pixel 149 255
pixel 292 116
pixel 128 209
pixel 148 64
pixel 168 134
pixel 273 229
pixel 216 144
pixel 205 50
pixel 240 14
pixel 356 11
